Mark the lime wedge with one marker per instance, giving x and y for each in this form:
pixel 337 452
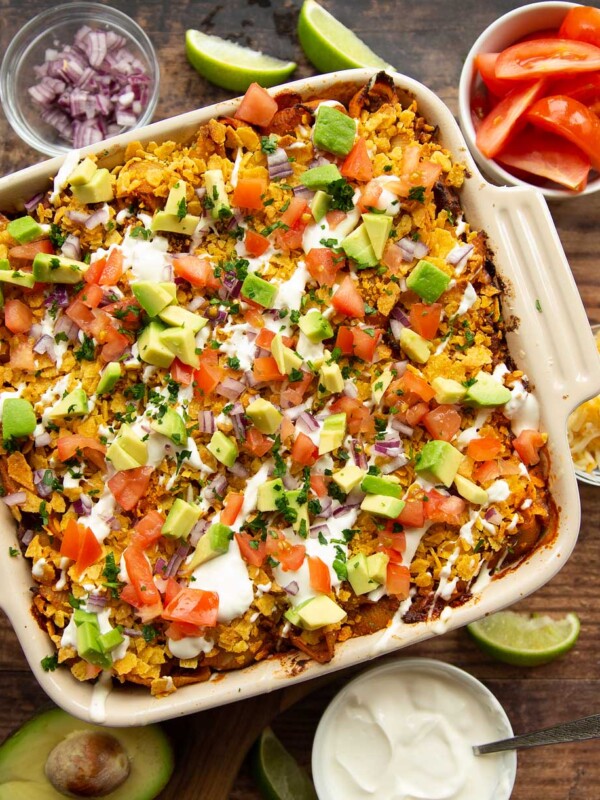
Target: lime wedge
pixel 232 66
pixel 277 773
pixel 329 44
pixel 525 640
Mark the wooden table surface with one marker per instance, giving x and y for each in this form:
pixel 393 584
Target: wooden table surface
pixel 427 41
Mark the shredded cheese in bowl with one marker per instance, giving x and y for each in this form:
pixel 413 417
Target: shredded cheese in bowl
pixel 584 434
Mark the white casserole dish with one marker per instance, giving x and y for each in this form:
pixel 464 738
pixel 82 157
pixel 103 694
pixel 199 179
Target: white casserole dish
pixel 554 348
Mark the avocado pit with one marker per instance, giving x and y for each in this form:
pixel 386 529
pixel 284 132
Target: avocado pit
pixel 87 764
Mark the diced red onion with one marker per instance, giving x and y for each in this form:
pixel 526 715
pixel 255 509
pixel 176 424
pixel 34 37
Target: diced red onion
pixel 160 565
pixel 390 449
pixel 326 507
pixel 315 530
pixel 319 161
pixel 196 303
pixel 98 600
pixel 132 633
pixel 45 345
pixel 66 325
pixel 27 537
pixel 493 516
pixel 99 217
pixel 358 455
pixel 238 469
pixel 279 165
pixel 43 440
pixel 230 388
pixel 33 202
pixel 42 488
pixel 216 487
pixel 292 588
pixel 83 505
pixel 249 379
pixel 420 250
pixel 200 192
pixel 71 247
pixel 350 389
pixel 289 482
pixel 231 286
pixel 303 193
pixel 396 463
pixel 206 422
pixel 15 499
pixel 295 412
pixel 237 410
pixel 396 328
pixel 239 426
pixel 401 427
pixel 309 421
pixel 458 254
pixel 197 532
pixel 400 314
pixel 340 511
pixel 400 368
pixel 80 217
pixel 176 561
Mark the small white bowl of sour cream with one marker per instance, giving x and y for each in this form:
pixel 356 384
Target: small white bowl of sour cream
pixel 406 729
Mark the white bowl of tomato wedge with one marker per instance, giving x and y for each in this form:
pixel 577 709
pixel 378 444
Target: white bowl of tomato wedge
pixel 529 99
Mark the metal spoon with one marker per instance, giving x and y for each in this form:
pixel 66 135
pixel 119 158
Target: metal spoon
pixel 575 731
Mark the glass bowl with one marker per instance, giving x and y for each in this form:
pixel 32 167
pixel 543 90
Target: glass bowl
pixel 57 27
pixel 592 478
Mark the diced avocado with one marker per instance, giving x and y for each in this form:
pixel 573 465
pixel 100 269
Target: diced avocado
pixel 320 177
pixel 215 542
pixel 75 404
pixel 120 458
pixel 171 223
pixel 487 392
pixel 110 640
pixel 286 358
pixel 318 612
pixel 268 494
pixel 358 575
pixel 377 567
pixel 128 451
pixel 24 229
pixel 438 462
pixel 415 346
pixel 334 131
pixel 172 426
pixel 331 378
pixel 178 317
pixel 151 349
pixel 382 505
pixel 348 477
pixel 48 268
pixel 176 202
pixel 320 205
pixel 171 288
pixel 428 281
pixel 258 290
pixel 373 484
pixel 470 491
pixel 332 433
pixel 180 520
pixel 223 448
pixel 18 418
pixel 292 616
pixel 15 276
pixel 110 375
pixel 216 194
pixel 80 616
pixel 448 391
pixel 380 385
pixel 301 523
pixel 314 326
pixel 83 173
pixel 151 296
pixel 99 188
pixel 88 646
pixel 357 245
pixel 182 343
pixel 378 228
pixel 264 415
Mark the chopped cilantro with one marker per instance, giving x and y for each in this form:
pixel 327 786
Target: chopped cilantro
pixel 149 633
pixel 43 512
pixel 87 351
pixel 538 305
pixel 49 663
pixel 334 491
pixel 268 144
pixel 341 195
pixel 233 362
pixel 111 573
pixel 13 552
pixel 57 237
pixel 417 193
pixel 295 375
pixel 139 232
pixel 75 602
pixel 181 208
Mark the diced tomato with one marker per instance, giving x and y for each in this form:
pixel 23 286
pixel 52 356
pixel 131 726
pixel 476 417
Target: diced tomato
pixel 82 447
pixel 320 579
pixel 207 377
pixel 231 508
pixel 148 529
pixel 582 23
pixel 425 319
pixel 194 607
pixel 21 354
pixel 254 317
pixel 570 119
pixel 411 382
pixel 80 545
pixel 547 156
pixel 18 317
pixel 506 117
pixel 92 295
pixel 347 300
pixel 358 416
pixel 287 429
pixel 415 414
pixel 249 192
pixel 266 370
pixel 486 64
pixel 304 451
pixel 253 551
pixel 528 444
pixel 257 106
pixel 357 165
pixel 181 373
pixel 293 393
pixel 140 575
pixel 443 508
pixel 27 252
pixel 542 57
pixel 80 314
pixel 113 270
pixel 127 313
pixel 413 514
pixel 317 484
pixel 130 485
pixel 294 212
pixel 484 448
pixel 265 337
pixel 209 356
pixel 256 443
pixel 115 347
pixel 129 595
pixel 292 239
pixel 334 218
pixel 197 271
pixel 323 265
pixel 181 630
pixel 256 243
pixel 171 590
pixel 369 197
pixel 485 472
pixel 290 556
pixel 443 422
pixel 94 271
pixel 391 539
pixel 397 580
pixel 345 340
pixel 365 342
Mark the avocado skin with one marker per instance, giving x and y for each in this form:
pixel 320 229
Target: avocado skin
pixel 23 756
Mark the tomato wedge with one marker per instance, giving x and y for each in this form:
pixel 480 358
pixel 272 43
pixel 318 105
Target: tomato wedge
pixel 357 165
pixel 80 545
pixel 320 579
pixel 257 106
pixel 289 555
pixel 347 300
pixel 304 451
pixel 569 118
pixel 398 580
pixel 256 243
pixel 505 117
pixel 542 57
pixel 18 317
pixel 425 319
pixel 140 575
pixel 76 445
pixel 484 448
pixel 253 551
pixel 528 444
pixel 584 87
pixel 443 422
pixel 486 64
pixel 582 23
pixel 149 529
pixel 193 606
pixel 323 265
pixel 130 485
pixel 257 443
pixel 231 508
pixel 547 156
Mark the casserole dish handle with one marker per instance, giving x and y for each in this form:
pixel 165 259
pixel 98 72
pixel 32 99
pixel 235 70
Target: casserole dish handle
pixel 545 298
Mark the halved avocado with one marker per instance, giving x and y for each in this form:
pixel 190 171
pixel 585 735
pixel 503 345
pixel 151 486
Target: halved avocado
pixel 23 757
